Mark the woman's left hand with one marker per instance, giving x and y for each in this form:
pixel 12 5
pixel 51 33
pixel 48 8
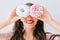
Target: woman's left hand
pixel 45 17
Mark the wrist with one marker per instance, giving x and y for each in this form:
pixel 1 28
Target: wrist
pixel 50 22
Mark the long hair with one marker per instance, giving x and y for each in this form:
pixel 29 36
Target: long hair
pixel 38 33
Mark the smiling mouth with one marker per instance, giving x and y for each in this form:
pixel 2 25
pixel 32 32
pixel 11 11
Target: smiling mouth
pixel 29 21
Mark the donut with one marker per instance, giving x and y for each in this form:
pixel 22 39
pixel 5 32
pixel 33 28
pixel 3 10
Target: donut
pixel 22 11
pixel 36 10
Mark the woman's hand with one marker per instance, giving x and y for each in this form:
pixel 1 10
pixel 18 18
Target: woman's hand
pixel 12 18
pixel 12 14
pixel 45 17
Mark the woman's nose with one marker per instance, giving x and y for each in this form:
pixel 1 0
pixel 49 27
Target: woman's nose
pixel 29 17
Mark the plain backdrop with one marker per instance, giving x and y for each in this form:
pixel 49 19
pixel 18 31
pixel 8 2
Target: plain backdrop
pixel 6 6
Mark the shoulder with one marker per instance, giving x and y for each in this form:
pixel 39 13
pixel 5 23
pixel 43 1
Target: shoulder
pixel 5 36
pixel 51 36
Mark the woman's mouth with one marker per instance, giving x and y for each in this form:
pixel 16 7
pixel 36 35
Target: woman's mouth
pixel 29 21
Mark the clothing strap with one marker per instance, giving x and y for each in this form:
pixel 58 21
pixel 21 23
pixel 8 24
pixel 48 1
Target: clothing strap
pixel 53 36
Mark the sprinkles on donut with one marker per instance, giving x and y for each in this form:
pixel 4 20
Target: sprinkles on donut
pixel 36 10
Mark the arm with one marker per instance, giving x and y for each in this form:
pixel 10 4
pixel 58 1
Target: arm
pixel 5 23
pixel 8 21
pixel 46 17
pixel 51 21
pixel 55 24
pixel 12 18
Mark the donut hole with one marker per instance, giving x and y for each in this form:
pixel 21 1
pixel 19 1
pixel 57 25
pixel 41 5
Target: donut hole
pixel 22 10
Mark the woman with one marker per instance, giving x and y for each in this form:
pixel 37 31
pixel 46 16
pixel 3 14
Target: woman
pixel 30 28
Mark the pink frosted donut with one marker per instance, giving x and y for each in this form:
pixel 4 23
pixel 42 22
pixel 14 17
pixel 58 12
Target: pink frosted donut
pixel 36 10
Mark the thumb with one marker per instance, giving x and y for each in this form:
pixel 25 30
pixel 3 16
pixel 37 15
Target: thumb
pixel 15 19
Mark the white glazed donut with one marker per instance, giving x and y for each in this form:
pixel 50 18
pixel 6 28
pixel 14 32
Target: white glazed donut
pixel 22 11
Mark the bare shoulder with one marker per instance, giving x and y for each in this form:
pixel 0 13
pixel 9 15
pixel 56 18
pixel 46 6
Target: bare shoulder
pixel 6 36
pixel 51 36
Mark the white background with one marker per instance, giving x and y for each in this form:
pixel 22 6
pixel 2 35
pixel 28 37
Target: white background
pixel 6 6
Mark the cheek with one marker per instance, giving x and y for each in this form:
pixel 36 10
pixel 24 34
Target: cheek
pixel 35 20
pixel 23 20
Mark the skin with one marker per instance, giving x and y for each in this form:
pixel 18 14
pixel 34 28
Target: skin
pixel 29 25
pixel 12 18
pixel 45 17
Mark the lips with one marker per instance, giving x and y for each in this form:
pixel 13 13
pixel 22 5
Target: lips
pixel 29 21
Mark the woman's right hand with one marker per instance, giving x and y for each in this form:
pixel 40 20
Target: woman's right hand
pixel 12 18
pixel 12 14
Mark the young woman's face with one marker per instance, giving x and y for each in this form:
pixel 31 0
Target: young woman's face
pixel 29 21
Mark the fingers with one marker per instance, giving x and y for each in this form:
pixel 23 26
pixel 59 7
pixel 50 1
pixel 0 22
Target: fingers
pixel 15 19
pixel 42 18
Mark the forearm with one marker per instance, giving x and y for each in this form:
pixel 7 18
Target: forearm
pixel 12 18
pixel 8 21
pixel 5 23
pixel 55 24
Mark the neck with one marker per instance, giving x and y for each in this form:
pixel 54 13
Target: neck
pixel 29 31
pixel 28 34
